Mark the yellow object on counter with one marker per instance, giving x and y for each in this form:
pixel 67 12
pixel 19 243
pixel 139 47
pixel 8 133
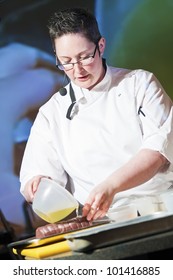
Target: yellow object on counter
pixel 40 248
pixel 43 251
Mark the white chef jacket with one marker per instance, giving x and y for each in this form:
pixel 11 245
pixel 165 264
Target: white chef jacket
pixel 126 112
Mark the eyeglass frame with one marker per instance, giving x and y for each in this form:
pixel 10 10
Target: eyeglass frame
pixel 79 61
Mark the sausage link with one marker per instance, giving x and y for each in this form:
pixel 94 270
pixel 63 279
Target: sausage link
pixel 62 227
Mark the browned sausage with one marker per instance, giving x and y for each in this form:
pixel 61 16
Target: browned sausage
pixel 62 227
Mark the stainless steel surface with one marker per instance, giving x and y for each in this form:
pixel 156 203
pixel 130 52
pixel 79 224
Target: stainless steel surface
pixel 114 233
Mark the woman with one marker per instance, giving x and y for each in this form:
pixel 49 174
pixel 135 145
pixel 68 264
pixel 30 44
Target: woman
pixel 109 130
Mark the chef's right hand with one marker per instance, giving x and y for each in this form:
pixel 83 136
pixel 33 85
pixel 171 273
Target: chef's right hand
pixel 31 187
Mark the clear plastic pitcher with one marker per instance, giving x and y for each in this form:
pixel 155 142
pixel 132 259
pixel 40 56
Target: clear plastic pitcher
pixel 52 202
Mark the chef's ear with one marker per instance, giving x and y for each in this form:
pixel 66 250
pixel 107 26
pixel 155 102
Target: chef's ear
pixel 101 45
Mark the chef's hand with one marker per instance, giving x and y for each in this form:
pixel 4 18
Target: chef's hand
pixel 99 201
pixel 130 175
pixel 31 187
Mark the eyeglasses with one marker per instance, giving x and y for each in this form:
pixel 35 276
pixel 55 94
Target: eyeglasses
pixel 84 61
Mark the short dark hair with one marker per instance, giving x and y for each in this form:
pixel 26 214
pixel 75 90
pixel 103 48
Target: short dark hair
pixel 72 21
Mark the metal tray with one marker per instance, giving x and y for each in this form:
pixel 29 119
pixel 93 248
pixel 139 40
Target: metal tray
pixel 33 242
pixel 115 233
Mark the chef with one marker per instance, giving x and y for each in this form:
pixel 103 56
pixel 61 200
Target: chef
pixel 108 132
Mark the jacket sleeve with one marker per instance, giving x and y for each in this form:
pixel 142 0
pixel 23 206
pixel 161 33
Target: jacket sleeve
pixel 40 156
pixel 155 110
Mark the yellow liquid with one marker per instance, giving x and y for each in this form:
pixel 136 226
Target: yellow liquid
pixel 53 217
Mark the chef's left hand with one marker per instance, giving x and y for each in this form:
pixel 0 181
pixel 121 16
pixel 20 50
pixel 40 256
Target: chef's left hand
pixel 99 201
